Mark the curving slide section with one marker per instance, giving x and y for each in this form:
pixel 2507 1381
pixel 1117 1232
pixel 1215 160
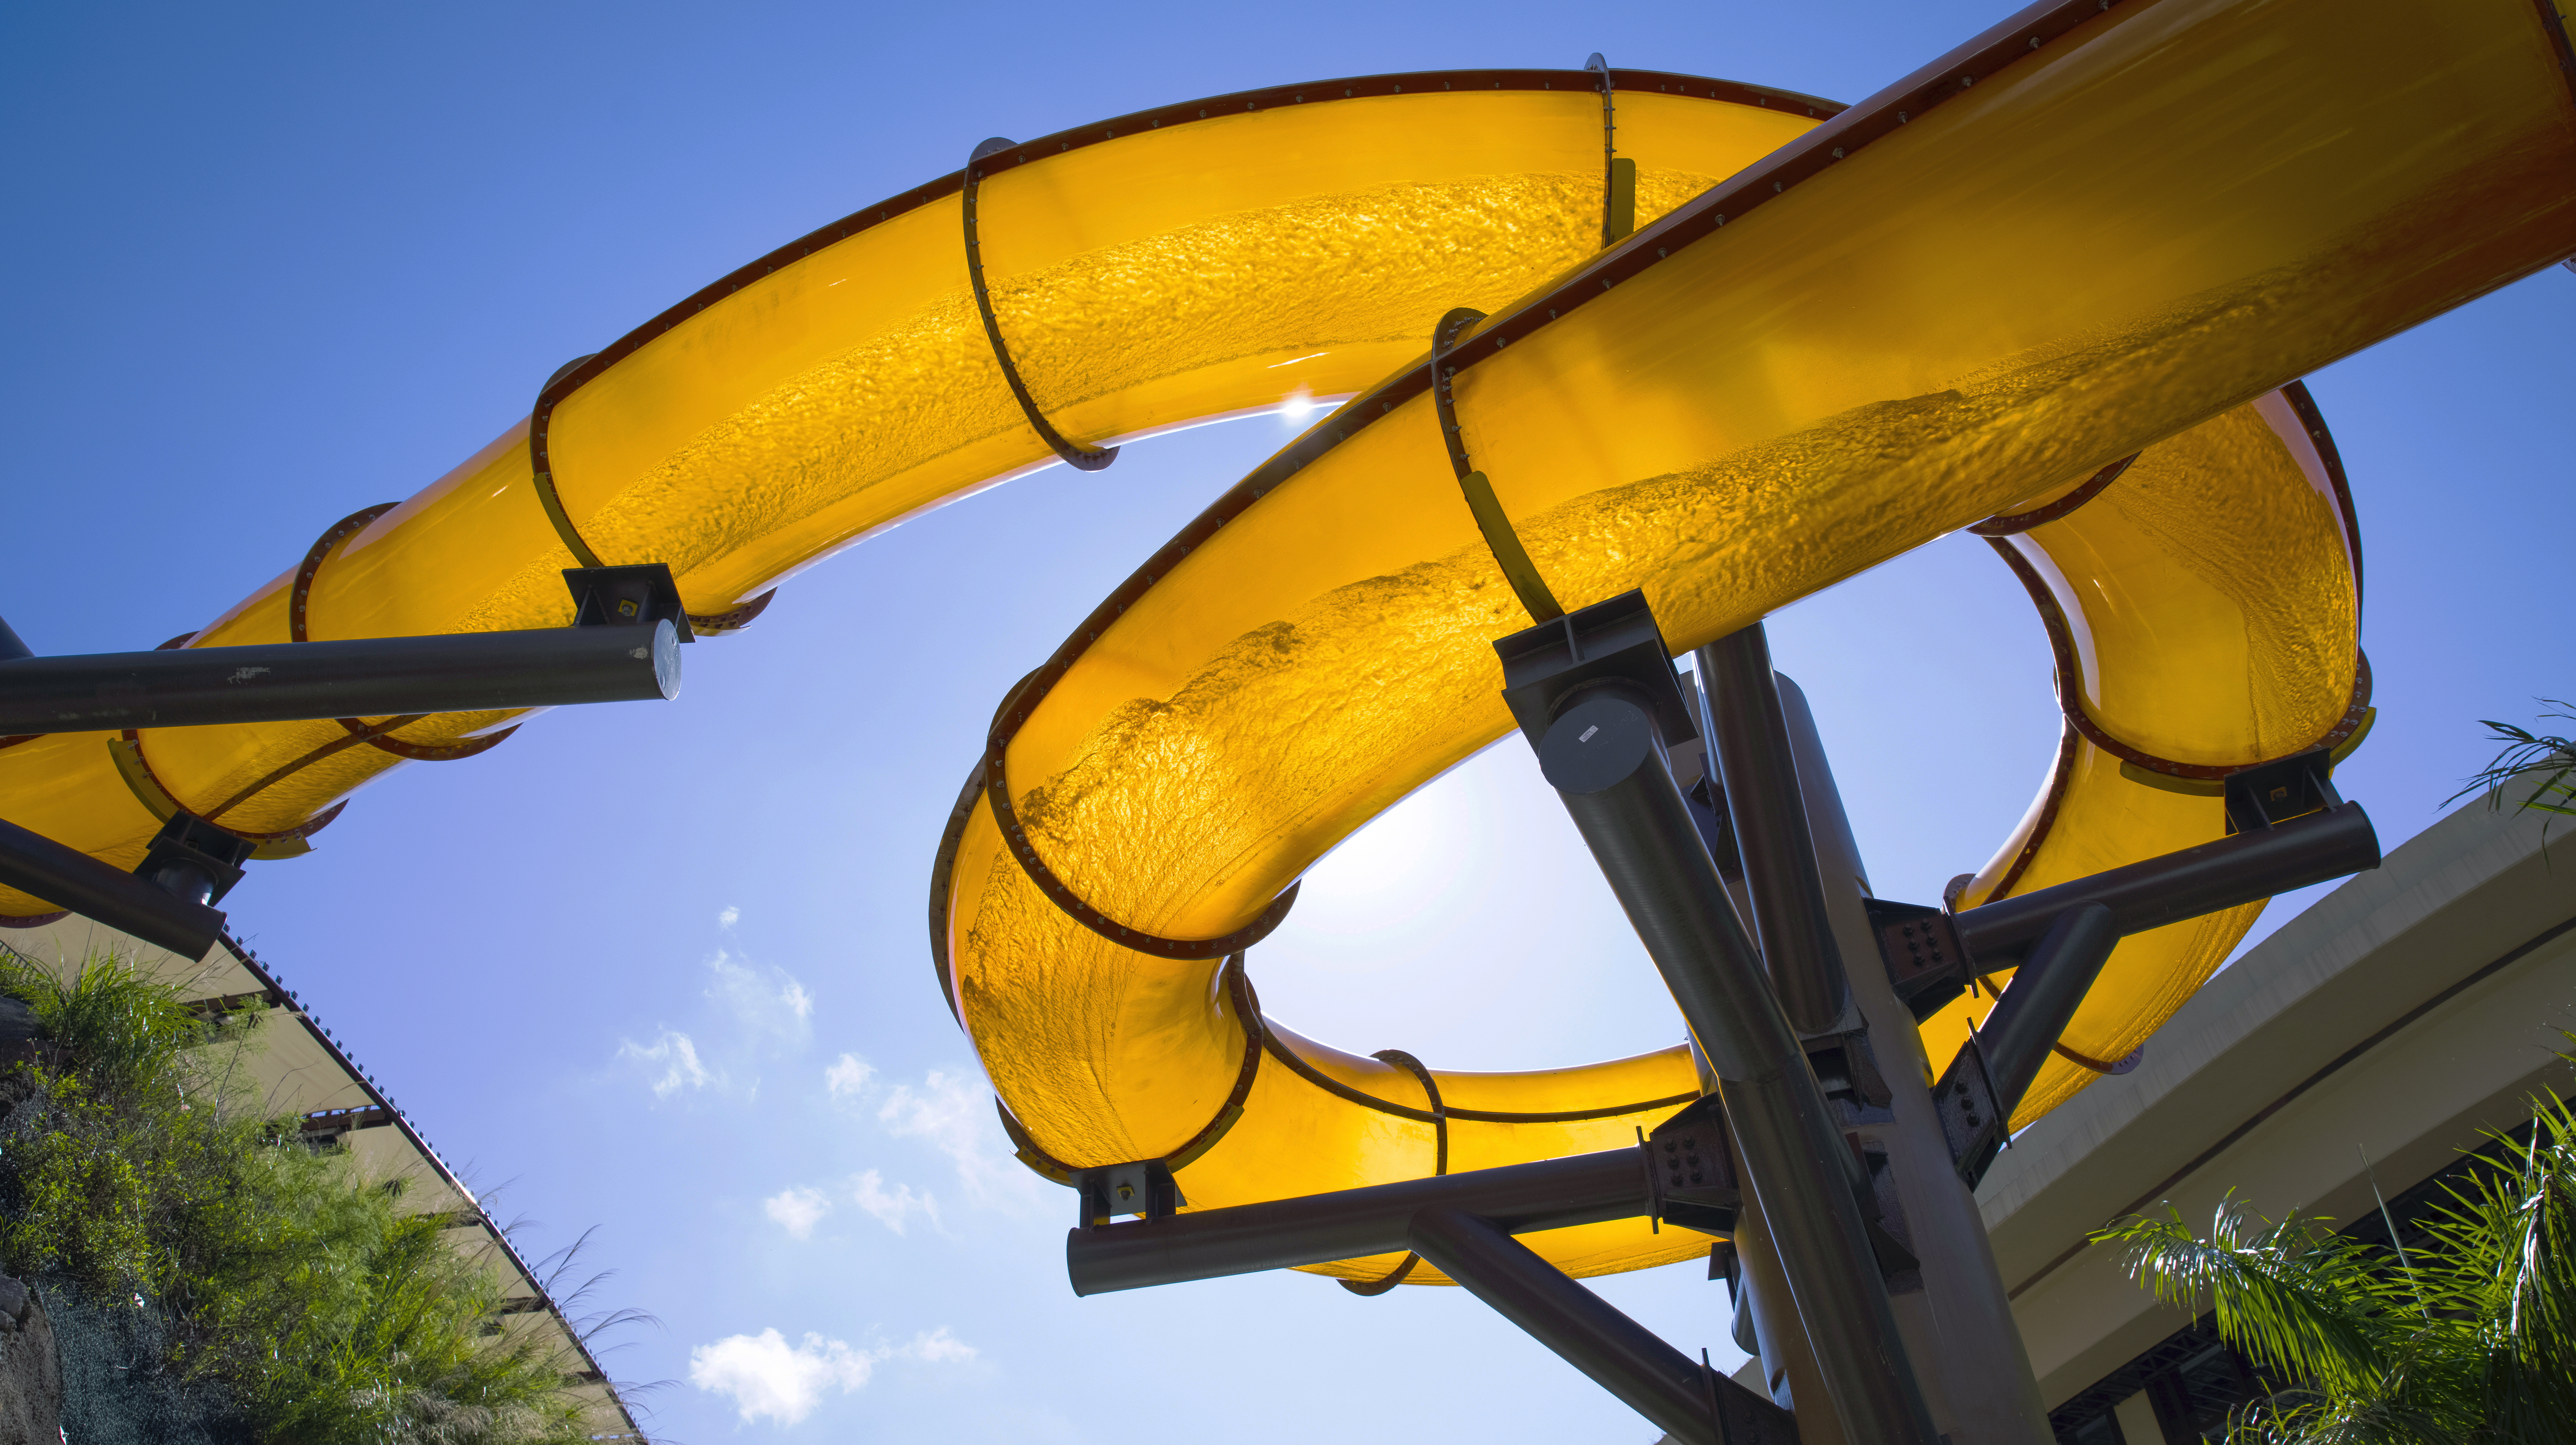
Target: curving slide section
pixel 1150 272
pixel 2100 232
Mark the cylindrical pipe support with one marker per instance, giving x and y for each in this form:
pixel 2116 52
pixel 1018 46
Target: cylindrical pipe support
pixel 364 677
pixel 2042 999
pixel 68 878
pixel 1749 749
pixel 1353 1223
pixel 1620 1355
pixel 1605 760
pixel 1959 1330
pixel 2187 884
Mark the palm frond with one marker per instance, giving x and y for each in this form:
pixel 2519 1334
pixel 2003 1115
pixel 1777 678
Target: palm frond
pixel 2507 1250
pixel 2303 1302
pixel 2396 1416
pixel 2554 791
pixel 2468 1339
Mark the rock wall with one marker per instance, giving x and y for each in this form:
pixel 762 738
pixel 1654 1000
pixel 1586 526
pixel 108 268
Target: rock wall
pixel 31 1372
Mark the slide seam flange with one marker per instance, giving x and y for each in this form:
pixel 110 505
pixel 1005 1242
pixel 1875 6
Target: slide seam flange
pixel 1073 453
pixel 299 614
pixel 2013 524
pixel 1439 1161
pixel 1491 520
pixel 542 481
pixel 1247 1011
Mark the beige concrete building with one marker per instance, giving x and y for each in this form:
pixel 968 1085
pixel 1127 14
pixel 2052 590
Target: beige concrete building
pixel 2366 1045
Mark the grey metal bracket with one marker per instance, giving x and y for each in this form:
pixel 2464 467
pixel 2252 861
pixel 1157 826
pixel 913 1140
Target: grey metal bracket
pixel 1743 1417
pixel 637 594
pixel 1972 1121
pixel 1691 1181
pixel 1706 799
pixel 1847 1070
pixel 1921 951
pixel 1883 1215
pixel 1145 1188
pixel 2278 791
pixel 1606 644
pixel 1690 1167
pixel 193 859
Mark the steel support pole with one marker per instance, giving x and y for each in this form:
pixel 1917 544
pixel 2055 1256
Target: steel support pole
pixel 366 677
pixel 2042 998
pixel 1959 1327
pixel 2189 883
pixel 1749 750
pixel 1606 761
pixel 1620 1355
pixel 1353 1223
pixel 1779 1341
pixel 68 878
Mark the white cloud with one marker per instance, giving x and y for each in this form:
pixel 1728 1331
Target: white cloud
pixel 848 1076
pixel 955 1114
pixel 800 1210
pixel 892 1208
pixel 767 1376
pixel 729 917
pixel 676 1059
pixel 937 1347
pixel 768 1000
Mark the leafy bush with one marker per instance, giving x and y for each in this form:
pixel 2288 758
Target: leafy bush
pixel 2471 1341
pixel 135 1163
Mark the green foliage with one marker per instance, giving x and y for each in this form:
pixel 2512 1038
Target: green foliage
pixel 107 1160
pixel 347 1320
pixel 136 1166
pixel 2471 1341
pixel 84 1191
pixel 2524 752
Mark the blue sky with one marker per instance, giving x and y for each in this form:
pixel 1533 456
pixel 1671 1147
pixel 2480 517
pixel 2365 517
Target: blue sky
pixel 662 969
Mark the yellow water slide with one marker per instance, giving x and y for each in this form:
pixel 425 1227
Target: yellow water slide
pixel 2103 233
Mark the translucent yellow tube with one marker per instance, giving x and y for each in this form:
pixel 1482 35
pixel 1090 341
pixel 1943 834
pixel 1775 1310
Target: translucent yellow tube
pixel 2045 273
pixel 841 385
pixel 1837 343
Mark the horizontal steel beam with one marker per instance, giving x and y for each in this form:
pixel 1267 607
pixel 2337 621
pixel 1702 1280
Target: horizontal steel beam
pixel 363 677
pixel 2188 884
pixel 68 878
pixel 1353 1223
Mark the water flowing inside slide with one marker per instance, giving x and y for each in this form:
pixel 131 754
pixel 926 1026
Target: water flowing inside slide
pixel 2058 286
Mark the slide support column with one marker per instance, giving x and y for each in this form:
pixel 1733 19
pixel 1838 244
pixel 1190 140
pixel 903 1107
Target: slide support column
pixel 1589 684
pixel 1957 1321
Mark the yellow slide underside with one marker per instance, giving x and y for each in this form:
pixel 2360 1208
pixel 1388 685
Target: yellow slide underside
pixel 2123 241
